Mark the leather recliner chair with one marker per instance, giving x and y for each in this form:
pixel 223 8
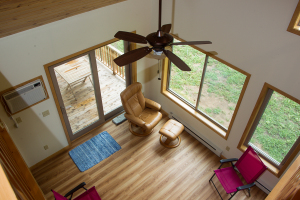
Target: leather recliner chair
pixel 140 111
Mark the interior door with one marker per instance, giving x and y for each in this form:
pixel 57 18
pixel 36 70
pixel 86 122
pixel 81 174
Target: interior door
pixel 78 92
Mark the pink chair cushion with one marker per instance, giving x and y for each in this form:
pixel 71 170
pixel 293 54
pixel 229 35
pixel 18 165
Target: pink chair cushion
pixel 250 165
pixel 58 196
pixel 229 179
pixel 90 194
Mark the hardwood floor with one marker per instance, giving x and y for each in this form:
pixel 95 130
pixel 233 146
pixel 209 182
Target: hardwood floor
pixel 142 169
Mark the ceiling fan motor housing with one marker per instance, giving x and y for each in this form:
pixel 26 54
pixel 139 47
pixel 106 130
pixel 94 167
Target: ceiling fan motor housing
pixel 157 42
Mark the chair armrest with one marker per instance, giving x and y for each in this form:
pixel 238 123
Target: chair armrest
pixel 245 186
pixel 228 160
pixel 81 185
pixel 152 104
pixel 134 120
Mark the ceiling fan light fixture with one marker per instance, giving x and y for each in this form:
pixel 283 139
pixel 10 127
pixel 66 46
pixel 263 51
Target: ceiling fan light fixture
pixel 157 53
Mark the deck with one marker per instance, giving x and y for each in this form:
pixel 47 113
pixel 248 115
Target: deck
pixel 79 99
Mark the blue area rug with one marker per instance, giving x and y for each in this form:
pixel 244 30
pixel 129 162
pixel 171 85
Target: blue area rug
pixel 94 150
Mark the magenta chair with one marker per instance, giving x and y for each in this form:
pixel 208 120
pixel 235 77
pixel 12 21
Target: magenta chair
pixel 89 194
pixel 250 167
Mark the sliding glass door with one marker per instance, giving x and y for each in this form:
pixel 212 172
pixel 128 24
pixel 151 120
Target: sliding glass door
pixel 88 87
pixel 77 89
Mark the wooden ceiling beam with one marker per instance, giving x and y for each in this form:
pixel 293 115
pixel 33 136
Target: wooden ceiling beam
pixel 21 15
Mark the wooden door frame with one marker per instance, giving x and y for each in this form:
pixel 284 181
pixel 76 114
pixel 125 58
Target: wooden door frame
pixel 61 60
pixel 97 94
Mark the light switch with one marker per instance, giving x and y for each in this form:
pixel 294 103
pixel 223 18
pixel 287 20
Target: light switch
pixel 18 120
pixel 46 113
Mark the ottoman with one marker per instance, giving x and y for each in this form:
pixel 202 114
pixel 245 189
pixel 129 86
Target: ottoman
pixel 171 130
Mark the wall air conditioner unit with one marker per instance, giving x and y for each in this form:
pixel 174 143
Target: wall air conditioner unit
pixel 25 96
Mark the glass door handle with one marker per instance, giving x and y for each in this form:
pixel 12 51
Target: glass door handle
pixel 63 110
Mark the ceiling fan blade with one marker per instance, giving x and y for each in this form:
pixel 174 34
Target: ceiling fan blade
pixel 132 56
pixel 191 43
pixel 166 28
pixel 131 37
pixel 176 60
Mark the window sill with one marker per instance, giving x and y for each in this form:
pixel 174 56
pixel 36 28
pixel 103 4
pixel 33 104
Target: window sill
pixel 195 114
pixel 271 167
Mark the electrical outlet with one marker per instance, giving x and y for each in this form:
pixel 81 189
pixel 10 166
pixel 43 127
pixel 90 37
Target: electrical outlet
pixel 18 120
pixel 45 113
pixel 46 147
pixel 227 148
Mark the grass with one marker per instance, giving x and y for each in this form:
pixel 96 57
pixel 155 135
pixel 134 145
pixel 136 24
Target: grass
pixel 279 127
pixel 224 81
pixel 119 45
pixel 220 80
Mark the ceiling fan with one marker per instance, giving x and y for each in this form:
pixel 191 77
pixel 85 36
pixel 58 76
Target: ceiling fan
pixel 158 40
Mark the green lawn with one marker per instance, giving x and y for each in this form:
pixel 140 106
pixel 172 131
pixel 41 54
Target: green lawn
pixel 118 45
pixel 221 82
pixel 279 127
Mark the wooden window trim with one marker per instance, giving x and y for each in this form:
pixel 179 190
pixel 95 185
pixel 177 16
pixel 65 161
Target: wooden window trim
pixel 193 112
pixel 294 26
pixel 242 147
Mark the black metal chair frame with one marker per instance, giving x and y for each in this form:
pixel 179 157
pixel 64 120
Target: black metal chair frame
pixel 248 186
pixel 81 185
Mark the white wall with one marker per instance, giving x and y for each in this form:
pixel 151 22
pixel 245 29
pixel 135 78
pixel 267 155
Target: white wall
pixel 23 55
pixel 248 34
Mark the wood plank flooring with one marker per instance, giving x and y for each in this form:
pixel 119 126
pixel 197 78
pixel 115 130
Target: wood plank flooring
pixel 142 169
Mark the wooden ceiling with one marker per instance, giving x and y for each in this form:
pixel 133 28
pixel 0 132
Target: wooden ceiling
pixel 21 15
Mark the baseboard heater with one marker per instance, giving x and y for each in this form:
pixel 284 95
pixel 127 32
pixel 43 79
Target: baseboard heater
pixel 198 136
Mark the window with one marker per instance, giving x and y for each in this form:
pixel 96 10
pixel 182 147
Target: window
pixel 273 129
pixel 211 92
pixel 294 26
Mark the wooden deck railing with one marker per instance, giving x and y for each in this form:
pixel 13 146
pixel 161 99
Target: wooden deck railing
pixel 106 55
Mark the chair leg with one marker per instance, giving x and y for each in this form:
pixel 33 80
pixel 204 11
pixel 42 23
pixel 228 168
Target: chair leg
pixel 137 134
pixel 210 180
pixel 232 195
pixel 168 140
pixel 212 177
pixel 72 91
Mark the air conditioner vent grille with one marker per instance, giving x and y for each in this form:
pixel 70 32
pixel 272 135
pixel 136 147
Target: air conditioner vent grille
pixel 19 92
pixel 25 96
